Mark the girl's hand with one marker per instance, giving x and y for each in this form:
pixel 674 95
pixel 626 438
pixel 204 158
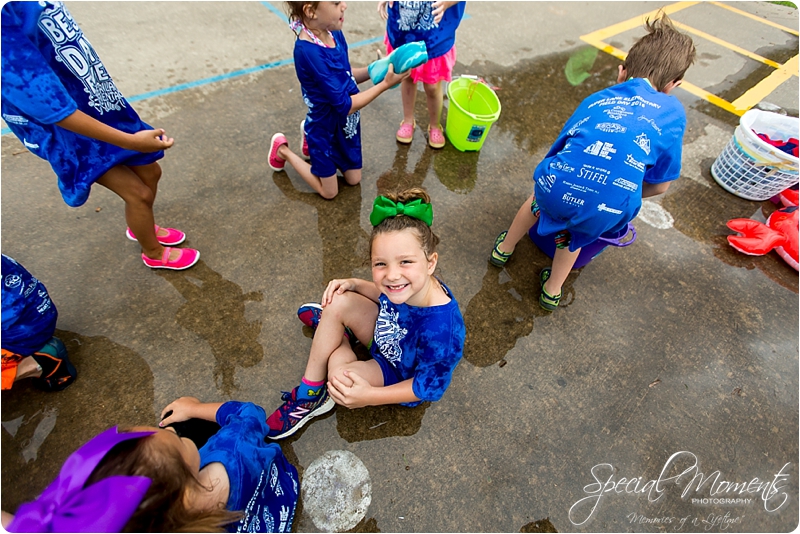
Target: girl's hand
pixel 182 409
pixel 393 79
pixel 382 9
pixel 439 8
pixel 336 287
pixel 353 395
pixel 150 141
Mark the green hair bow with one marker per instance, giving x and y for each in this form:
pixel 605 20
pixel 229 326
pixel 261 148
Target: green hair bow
pixel 383 208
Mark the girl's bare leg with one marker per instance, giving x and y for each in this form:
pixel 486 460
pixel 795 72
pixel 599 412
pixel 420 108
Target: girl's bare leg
pixel 435 98
pixel 328 187
pixel 408 92
pixel 348 309
pixel 138 198
pixel 353 176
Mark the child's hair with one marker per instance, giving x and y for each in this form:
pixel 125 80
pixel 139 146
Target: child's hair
pixel 295 10
pixel 163 508
pixel 427 239
pixel 663 55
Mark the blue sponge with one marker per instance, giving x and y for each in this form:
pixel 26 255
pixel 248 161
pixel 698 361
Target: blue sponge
pixel 403 58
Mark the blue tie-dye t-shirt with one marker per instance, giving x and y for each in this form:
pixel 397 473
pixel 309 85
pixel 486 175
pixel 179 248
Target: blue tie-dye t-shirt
pixel 263 484
pixel 50 70
pixel 425 344
pixel 29 316
pixel 327 83
pixel 413 21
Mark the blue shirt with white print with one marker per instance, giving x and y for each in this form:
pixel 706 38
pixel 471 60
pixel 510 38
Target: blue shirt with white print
pixel 590 182
pixel 413 21
pixel 425 344
pixel 263 484
pixel 29 316
pixel 327 83
pixel 49 71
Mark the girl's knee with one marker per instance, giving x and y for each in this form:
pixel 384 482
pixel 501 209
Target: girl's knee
pixel 141 194
pixel 432 89
pixel 330 187
pixel 149 173
pixel 353 177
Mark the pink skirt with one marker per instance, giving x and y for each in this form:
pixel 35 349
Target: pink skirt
pixel 434 70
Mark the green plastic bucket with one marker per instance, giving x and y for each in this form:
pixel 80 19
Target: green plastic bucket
pixel 473 109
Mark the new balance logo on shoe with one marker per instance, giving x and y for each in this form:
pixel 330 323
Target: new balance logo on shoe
pixel 299 412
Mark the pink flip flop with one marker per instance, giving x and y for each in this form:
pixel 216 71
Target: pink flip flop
pixel 173 237
pixel 188 257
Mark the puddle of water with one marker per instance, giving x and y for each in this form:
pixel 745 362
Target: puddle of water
pixel 43 429
pixel 753 72
pixel 12 426
pixel 541 525
pixel 215 311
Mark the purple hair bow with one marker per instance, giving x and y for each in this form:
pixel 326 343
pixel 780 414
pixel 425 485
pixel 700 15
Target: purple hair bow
pixel 66 506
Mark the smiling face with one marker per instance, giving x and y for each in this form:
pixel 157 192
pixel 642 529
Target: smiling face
pixel 329 16
pixel 400 269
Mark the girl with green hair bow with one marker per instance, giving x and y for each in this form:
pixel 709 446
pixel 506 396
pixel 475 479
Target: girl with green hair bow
pixel 407 317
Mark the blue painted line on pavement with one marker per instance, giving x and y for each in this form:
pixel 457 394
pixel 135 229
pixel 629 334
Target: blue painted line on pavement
pixel 227 76
pixel 277 11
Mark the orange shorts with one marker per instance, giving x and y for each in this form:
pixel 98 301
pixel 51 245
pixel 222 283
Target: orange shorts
pixel 10 361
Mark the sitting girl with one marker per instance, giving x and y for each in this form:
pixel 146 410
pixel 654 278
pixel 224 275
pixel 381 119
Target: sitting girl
pixel 147 479
pixel 406 316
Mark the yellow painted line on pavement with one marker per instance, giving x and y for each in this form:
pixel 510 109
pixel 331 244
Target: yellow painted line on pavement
pixel 750 98
pixel 755 17
pixel 635 22
pixel 726 44
pixel 762 89
pixel 711 97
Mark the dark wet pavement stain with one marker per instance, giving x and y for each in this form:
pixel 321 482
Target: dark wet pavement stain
pixel 541 525
pixel 344 241
pixel 213 306
pixel 688 202
pixel 114 387
pixel 507 304
pixel 537 98
pixel 752 73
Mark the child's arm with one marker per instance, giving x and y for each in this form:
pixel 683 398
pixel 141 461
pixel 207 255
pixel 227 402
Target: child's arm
pixel 361 74
pixel 362 287
pixel 439 8
pixel 142 141
pixel 360 100
pixel 360 393
pixel 187 408
pixel 651 190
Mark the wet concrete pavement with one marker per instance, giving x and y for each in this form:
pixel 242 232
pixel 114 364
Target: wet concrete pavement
pixel 677 343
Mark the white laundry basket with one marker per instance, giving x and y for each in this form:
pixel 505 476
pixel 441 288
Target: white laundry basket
pixel 751 168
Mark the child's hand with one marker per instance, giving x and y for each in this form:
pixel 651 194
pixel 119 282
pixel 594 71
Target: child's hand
pixel 182 410
pixel 150 141
pixel 353 395
pixel 439 8
pixel 393 79
pixel 336 287
pixel 382 9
